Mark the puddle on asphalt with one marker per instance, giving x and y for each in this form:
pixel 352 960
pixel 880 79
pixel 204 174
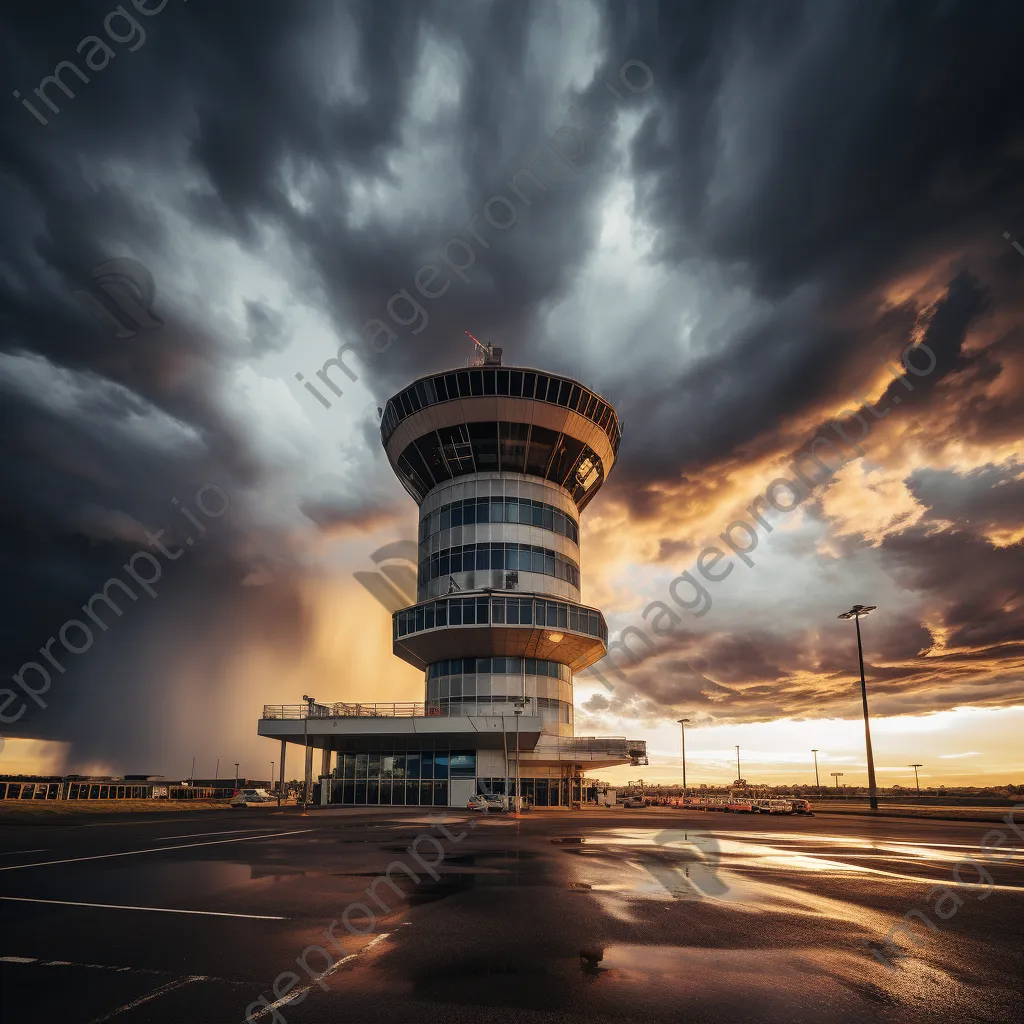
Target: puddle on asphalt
pixel 764 978
pixel 477 870
pixel 624 867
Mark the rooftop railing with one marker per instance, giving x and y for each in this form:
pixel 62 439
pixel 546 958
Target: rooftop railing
pixel 398 709
pixel 402 709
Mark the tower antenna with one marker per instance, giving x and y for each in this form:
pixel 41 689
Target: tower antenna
pixel 483 355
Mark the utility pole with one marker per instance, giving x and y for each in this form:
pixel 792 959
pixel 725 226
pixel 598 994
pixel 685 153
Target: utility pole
pixel 739 774
pixel 271 776
pixel 236 775
pixel 216 773
pixel 817 783
pixel 855 613
pixel 917 781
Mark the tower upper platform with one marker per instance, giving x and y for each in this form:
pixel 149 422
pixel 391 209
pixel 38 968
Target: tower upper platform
pixel 493 419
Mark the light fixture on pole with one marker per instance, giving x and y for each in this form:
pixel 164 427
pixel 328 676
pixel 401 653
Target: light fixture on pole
pixel 837 776
pixel 817 783
pixel 855 613
pixel 683 723
pixel 917 781
pixel 310 701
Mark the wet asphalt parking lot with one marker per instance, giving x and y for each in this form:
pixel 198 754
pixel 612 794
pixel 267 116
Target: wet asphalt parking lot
pixel 596 916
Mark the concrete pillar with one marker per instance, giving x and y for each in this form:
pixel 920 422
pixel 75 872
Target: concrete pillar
pixel 280 784
pixel 325 764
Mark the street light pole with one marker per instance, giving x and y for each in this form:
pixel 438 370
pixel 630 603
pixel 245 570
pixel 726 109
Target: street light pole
pixel 683 722
pixel 917 781
pixel 518 708
pixel 271 776
pixel 310 701
pixel 739 774
pixel 855 613
pixel 236 774
pixel 817 783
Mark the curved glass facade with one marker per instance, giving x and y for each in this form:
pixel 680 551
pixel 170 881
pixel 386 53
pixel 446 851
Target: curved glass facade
pixel 499 666
pixel 493 686
pixel 491 446
pixel 540 387
pixel 496 555
pixel 513 611
pixel 522 511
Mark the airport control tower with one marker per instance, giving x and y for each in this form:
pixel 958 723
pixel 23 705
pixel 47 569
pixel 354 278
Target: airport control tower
pixel 501 462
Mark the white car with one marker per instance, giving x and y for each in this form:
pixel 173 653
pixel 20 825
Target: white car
pixel 484 803
pixel 247 797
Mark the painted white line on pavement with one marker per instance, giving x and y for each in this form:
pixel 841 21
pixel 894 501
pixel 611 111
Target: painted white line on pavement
pixel 155 849
pixel 155 994
pixel 155 910
pixel 109 967
pixel 297 993
pixel 15 853
pixel 194 835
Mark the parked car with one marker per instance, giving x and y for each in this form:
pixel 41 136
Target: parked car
pixel 634 801
pixel 249 797
pixel 741 805
pixel 802 807
pixel 484 803
pixel 775 806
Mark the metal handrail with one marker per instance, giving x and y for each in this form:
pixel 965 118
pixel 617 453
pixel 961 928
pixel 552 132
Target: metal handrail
pixel 398 709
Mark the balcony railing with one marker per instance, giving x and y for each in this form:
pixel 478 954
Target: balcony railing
pixel 405 709
pixel 400 709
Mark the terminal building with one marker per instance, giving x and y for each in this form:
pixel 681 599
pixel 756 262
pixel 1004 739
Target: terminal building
pixel 501 462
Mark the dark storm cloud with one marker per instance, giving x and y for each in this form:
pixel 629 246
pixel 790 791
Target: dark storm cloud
pixel 987 497
pixel 819 150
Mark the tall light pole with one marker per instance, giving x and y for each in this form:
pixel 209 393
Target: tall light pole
pixel 310 701
pixel 236 775
pixel 855 613
pixel 518 708
pixel 817 782
pixel 917 781
pixel 837 776
pixel 271 776
pixel 683 722
pixel 739 774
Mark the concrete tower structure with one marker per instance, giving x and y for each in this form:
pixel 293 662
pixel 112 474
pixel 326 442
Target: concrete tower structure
pixel 501 462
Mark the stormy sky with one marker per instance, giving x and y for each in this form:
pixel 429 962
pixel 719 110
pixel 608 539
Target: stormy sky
pixel 740 217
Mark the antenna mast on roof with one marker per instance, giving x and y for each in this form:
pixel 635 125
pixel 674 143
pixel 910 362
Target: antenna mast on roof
pixel 483 355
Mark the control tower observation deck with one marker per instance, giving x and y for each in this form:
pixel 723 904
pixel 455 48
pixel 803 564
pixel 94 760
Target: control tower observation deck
pixel 501 462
